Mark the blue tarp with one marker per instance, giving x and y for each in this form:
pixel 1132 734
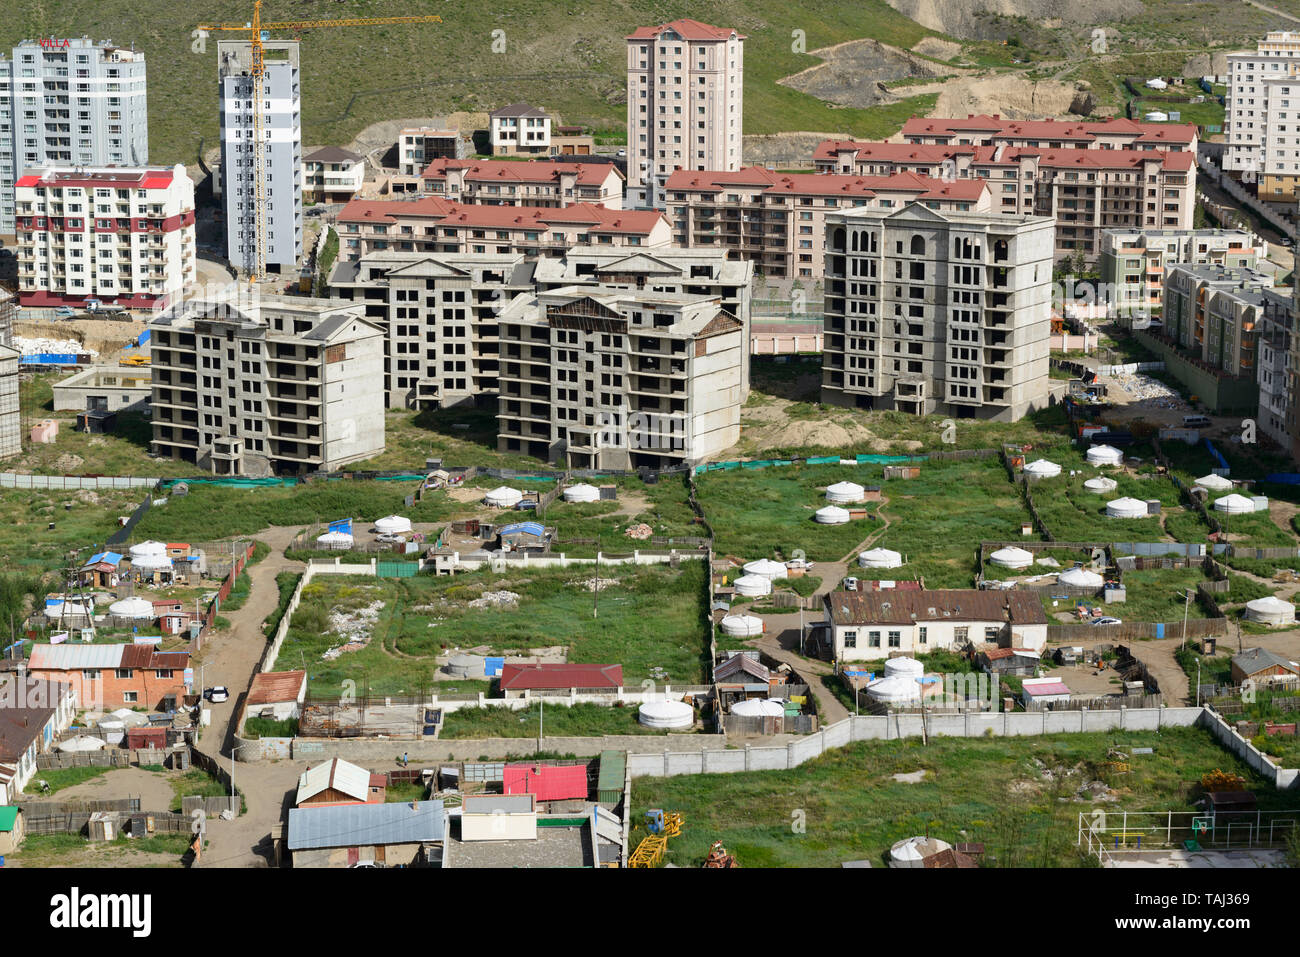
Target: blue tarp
pixel 342 525
pixel 527 528
pixel 144 337
pixel 1223 464
pixel 492 667
pixel 48 359
pixel 1283 478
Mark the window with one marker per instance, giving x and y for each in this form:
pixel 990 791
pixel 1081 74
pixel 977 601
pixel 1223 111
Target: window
pixel 991 632
pixel 850 639
pixel 130 697
pixel 922 635
pixel 895 639
pixel 124 673
pixel 90 676
pixel 162 673
pixel 959 634
pixel 873 639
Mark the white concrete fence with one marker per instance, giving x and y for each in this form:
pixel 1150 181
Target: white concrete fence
pixel 74 482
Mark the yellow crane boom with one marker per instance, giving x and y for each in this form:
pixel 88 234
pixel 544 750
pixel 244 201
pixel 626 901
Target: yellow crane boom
pixel 258 29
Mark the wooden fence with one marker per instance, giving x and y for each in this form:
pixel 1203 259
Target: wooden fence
pixel 1136 630
pixel 58 760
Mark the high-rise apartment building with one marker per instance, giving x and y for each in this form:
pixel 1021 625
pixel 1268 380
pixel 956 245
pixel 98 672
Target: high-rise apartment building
pixel 1133 262
pixel 282 385
pixel 279 125
pixel 121 235
pixel 69 102
pixel 685 104
pixel 937 312
pixel 1261 125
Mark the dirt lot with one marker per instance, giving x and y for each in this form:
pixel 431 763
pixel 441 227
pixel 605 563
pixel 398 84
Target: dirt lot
pixel 151 787
pixel 105 336
pixel 854 73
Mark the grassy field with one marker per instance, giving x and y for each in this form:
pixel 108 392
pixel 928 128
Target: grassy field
pixel 981 790
pixel 579 720
pixel 652 618
pixel 73 850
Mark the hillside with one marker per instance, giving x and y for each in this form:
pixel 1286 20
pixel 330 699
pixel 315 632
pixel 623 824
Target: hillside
pixel 570 57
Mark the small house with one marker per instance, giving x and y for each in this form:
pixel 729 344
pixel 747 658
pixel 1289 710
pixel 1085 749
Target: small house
pixel 338 782
pixel 1008 661
pixel 101 570
pixel 33 712
pixel 410 834
pixel 519 679
pixel 277 694
pixel 11 829
pixel 1041 693
pixel 1262 667
pixel 499 817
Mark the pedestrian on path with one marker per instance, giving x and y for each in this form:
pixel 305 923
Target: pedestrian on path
pixel 405 759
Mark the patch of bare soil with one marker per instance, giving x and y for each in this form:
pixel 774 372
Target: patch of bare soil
pixel 104 336
pixel 966 19
pixel 938 48
pixel 784 150
pixel 1007 95
pixel 855 73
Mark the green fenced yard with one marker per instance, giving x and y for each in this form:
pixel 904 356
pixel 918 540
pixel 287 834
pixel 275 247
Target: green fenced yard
pixel 653 617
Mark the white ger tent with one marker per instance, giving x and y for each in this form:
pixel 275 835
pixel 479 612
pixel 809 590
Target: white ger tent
pixel 832 515
pixel 767 568
pixel 581 493
pixel 1104 455
pixel 666 714
pixel 1100 484
pixel 1012 557
pixel 1271 611
pixel 147 548
pixel 1215 483
pixel 1126 508
pixel 1080 578
pixel 759 708
pixel 1043 469
pixel 753 586
pixel 132 608
pixel 334 541
pixel 1234 504
pixel 880 558
pixel 393 525
pixel 504 497
pixel 845 493
pixel 742 626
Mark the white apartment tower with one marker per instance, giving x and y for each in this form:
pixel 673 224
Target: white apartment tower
pixel 1262 121
pixel 280 109
pixel 66 102
pixel 937 312
pixel 685 104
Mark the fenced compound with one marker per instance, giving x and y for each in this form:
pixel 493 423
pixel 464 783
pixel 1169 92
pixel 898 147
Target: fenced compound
pixel 1108 835
pixel 1137 630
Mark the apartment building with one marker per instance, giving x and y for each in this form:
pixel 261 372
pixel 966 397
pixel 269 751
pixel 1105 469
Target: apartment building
pixel 1274 376
pixel 519 130
pixel 439 311
pixel 1133 262
pixel 777 220
pixel 121 235
pixel 685 104
pixel 1261 124
pixel 434 225
pixel 332 175
pixel 280 385
pixel 417 147
pixel 1212 313
pixel 279 194
pixel 66 102
pixel 10 413
pixel 1084 190
pixel 937 312
pixel 1111 134
pixel 618 379
pixel 515 183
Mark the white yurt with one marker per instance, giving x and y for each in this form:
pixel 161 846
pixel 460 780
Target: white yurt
pixel 147 548
pixel 894 689
pixel 767 568
pixel 1100 485
pixel 1104 455
pixel 904 667
pixel 393 525
pixel 581 493
pixel 666 714
pixel 82 742
pixel 1012 557
pixel 467 666
pixel 1234 504
pixel 742 626
pixel 59 609
pixel 845 493
pixel 880 558
pixel 1215 483
pixel 913 851
pixel 503 497
pixel 334 541
pixel 831 515
pixel 753 586
pixel 759 708
pixel 1126 508
pixel 132 608
pixel 1080 578
pixel 129 718
pixel 1042 469
pixel 1271 611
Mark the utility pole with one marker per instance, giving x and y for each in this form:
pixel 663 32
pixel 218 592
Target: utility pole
pixel 595 588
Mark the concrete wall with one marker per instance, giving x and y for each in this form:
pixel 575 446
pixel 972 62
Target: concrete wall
pixel 1282 778
pixel 364 750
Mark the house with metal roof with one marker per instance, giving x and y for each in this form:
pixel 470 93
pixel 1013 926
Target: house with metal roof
pixel 867 626
pixel 518 679
pixel 499 817
pixel 410 834
pixel 104 677
pixel 1262 667
pixel 101 570
pixel 33 712
pixel 338 782
pixel 276 694
pixel 11 829
pixel 548 782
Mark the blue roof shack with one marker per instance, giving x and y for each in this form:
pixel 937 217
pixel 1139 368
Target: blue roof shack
pixel 530 536
pixel 410 834
pixel 101 570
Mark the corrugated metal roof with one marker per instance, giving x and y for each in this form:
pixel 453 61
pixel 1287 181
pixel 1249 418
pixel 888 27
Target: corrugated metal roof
pixel 75 657
pixel 613 770
pixel 502 803
pixel 957 604
pixel 272 687
pixel 359 825
pixel 337 774
pixel 548 781
pixel 547 675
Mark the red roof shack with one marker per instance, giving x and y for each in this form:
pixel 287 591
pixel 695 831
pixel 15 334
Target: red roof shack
pixel 516 679
pixel 548 782
pixel 137 738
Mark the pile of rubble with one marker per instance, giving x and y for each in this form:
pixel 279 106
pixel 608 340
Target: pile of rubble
pixel 355 626
pixel 591 584
pixel 641 531
pixel 496 599
pixel 1153 392
pixel 61 347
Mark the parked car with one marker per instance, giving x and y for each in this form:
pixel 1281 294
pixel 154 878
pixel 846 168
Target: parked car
pixel 64 312
pixel 850 584
pixel 216 694
pixel 1107 620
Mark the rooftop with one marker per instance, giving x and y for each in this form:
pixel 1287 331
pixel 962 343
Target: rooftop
pixel 908 607
pixel 346 825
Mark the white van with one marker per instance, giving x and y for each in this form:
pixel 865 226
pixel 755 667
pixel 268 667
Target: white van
pixel 1196 421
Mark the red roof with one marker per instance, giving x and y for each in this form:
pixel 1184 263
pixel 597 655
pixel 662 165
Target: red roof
pixel 445 212
pixel 276 687
pixel 1052 129
pixel 822 184
pixel 548 782
pixel 541 676
pixel 686 28
pixel 1046 688
pixel 74 177
pixel 531 171
pixel 387 210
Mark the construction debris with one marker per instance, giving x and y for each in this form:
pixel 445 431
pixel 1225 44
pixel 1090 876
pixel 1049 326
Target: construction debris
pixel 495 599
pixel 1151 392
pixel 63 347
pixel 356 626
pixel 591 584
pixel 640 531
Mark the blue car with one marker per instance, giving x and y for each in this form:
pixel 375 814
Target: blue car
pixel 63 312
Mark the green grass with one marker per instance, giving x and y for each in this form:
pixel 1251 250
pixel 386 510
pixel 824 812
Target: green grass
pixel 197 783
pixel 981 789
pixel 28 544
pixel 1214 669
pixel 285 583
pixel 51 850
pixel 653 617
pixel 270 728
pixel 60 778
pixel 579 720
pixel 403 793
pixel 1155 595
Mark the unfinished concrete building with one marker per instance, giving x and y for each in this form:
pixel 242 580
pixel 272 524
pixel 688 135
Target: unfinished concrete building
pixel 280 385
pixel 937 312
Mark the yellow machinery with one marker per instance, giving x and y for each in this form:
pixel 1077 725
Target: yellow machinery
pixel 650 852
pixel 257 31
pixel 135 361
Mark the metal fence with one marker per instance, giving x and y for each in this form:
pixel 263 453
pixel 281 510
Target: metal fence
pixel 1109 835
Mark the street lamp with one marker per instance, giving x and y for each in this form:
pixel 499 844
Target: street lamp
pixel 1187 603
pixel 232 777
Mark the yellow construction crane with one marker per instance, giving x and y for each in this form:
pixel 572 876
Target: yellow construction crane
pixel 258 31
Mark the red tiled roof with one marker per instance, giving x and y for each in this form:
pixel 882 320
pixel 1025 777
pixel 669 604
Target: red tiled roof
pixel 600 218
pixel 822 184
pixel 686 28
pixel 548 782
pixel 538 676
pixel 531 171
pixel 934 153
pixel 1052 129
pixel 387 210
pixel 71 176
pixel 275 687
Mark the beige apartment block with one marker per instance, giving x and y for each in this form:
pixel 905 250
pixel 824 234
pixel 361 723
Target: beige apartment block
pixel 519 130
pixel 532 183
pixel 777 220
pixel 685 104
pixel 933 312
pixel 418 146
pixel 1213 313
pixel 1262 110
pixel 435 225
pixel 279 385
pixel 1133 262
pixel 1085 190
pixel 597 378
pixel 1111 134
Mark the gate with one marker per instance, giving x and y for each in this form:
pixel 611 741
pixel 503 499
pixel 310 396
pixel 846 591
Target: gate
pixel 396 569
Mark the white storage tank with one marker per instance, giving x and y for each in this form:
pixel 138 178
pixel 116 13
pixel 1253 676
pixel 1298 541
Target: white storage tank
pixel 880 558
pixel 666 714
pixel 832 515
pixel 581 493
pixel 845 493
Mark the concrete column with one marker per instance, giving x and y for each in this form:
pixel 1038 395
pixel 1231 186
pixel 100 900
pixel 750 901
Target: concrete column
pixel 789 756
pixel 1123 716
pixel 748 759
pixel 665 763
